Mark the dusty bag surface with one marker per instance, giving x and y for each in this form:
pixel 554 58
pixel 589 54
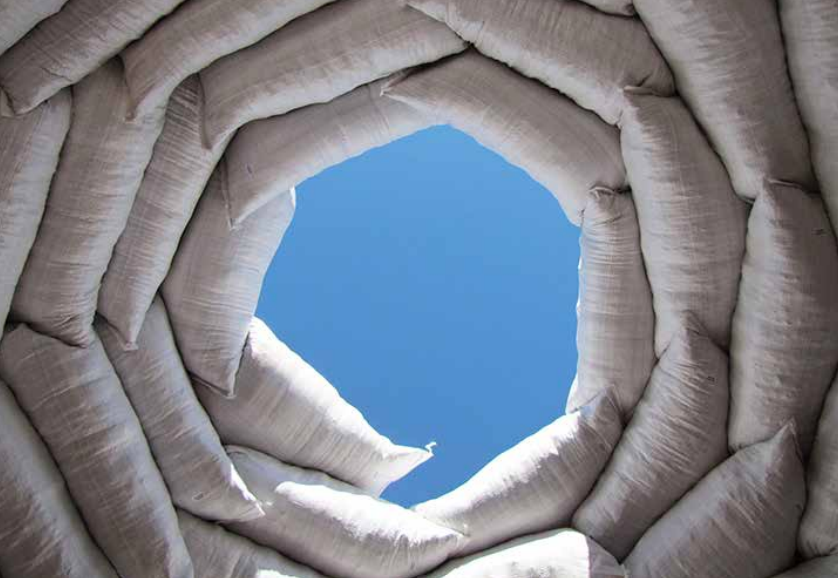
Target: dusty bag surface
pixel 810 31
pixel 736 84
pixel 615 332
pixel 784 347
pixel 285 408
pixel 71 44
pixel 740 521
pixel 41 531
pixel 213 286
pixel 676 435
pixel 196 35
pixel 537 484
pixel 29 152
pixel 692 224
pixel 17 18
pixel 566 149
pixel 272 155
pixel 817 568
pixel 320 57
pixel 74 399
pixel 819 529
pixel 100 170
pixel 556 554
pixel 179 169
pixel 560 43
pixel 336 528
pixel 200 477
pixel 218 553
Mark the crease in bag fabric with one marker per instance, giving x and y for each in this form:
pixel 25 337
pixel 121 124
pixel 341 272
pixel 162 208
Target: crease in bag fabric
pixel 285 408
pixel 616 322
pixel 100 170
pixel 74 399
pixel 213 286
pixel 173 182
pixel 71 44
pixel 270 156
pixel 319 57
pixel 336 528
pixel 17 18
pixel 621 7
pixel 817 568
pixel 560 43
pixel 200 477
pixel 41 531
pixel 537 484
pixel 30 146
pixel 568 150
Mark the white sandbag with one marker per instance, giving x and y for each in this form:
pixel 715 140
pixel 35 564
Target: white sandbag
pixel 196 35
pixel 729 65
pixel 565 148
pixel 819 529
pixel 101 167
pixel 29 150
pixel 217 553
pixel 335 528
pixel 692 224
pixel 810 31
pixel 560 43
pixel 784 346
pixel 534 486
pixel 213 287
pixel 272 155
pixel 17 18
pixel 616 323
pixel 740 521
pixel 285 408
pixel 74 399
pixel 556 554
pixel 675 437
pixel 71 44
pixel 200 477
pixel 41 531
pixel 318 58
pixel 817 568
pixel 173 182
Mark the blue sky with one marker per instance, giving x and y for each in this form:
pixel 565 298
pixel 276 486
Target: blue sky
pixel 435 286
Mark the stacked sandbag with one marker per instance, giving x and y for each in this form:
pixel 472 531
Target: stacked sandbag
pixel 818 568
pixel 272 155
pixel 616 323
pixel 557 554
pixel 200 477
pixel 729 65
pixel 534 486
pixel 692 224
pixel 560 43
pixel 810 31
pixel 17 18
pixel 336 528
pixel 784 346
pixel 29 151
pixel 196 35
pixel 101 168
pixel 285 408
pixel 71 44
pixel 41 531
pixel 74 399
pixel 819 528
pixel 677 434
pixel 217 553
pixel 740 521
pixel 213 286
pixel 566 149
pixel 319 57
pixel 173 182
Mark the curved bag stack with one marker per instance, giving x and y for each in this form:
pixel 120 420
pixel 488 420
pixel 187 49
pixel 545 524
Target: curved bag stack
pixel 152 427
